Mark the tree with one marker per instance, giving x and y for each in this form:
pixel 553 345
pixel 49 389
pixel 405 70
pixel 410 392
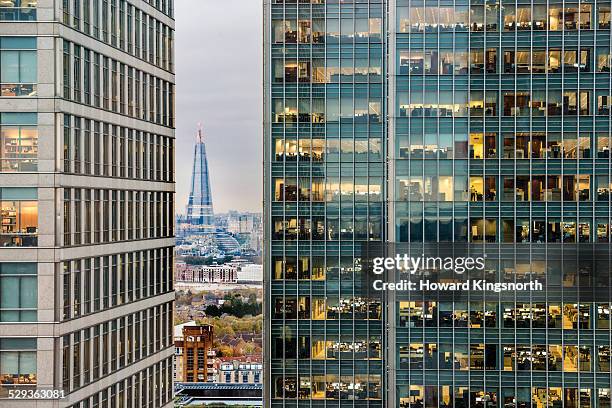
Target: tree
pixel 225 351
pixel 212 310
pixel 249 348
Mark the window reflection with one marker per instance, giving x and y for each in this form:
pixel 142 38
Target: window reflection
pixel 603 16
pixel 18 10
pixel 555 18
pixel 18 366
pixel 18 66
pixel 432 19
pixel 477 18
pixel 445 62
pixel 444 103
pixel 509 17
pixel 603 359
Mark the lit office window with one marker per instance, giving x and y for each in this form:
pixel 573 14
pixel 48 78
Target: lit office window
pixel 18 10
pixel 19 142
pixel 19 213
pixel 17 362
pixel 18 66
pixel 18 292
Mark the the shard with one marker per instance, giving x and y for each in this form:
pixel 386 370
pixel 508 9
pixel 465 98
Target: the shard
pixel 199 208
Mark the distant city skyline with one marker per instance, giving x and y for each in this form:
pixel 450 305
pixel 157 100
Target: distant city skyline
pixel 218 87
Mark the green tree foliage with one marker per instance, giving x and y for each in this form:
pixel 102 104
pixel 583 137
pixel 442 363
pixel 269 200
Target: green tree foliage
pixel 235 306
pixel 209 260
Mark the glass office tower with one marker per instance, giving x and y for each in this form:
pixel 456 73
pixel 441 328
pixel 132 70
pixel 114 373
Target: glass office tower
pixel 324 175
pixel 86 189
pixel 482 122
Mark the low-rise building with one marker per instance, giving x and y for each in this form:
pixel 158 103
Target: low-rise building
pixel 240 372
pixel 207 273
pixel 250 273
pixel 193 347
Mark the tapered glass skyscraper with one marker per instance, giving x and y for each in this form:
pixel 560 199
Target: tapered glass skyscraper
pixel 199 208
pixel 478 122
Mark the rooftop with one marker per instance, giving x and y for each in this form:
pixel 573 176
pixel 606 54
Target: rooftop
pixel 178 329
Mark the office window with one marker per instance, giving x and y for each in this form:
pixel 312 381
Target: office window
pixel 66 68
pixel 603 59
pixel 555 17
pixel 18 10
pixel 603 397
pixel 19 142
pixel 18 292
pixel 18 66
pixel 603 359
pixel 18 361
pixel 87 75
pixel 603 16
pixel 19 212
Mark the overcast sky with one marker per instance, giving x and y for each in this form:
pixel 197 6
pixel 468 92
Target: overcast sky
pixel 218 83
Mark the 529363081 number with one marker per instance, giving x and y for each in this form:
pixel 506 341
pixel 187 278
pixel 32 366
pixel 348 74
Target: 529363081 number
pixel 36 394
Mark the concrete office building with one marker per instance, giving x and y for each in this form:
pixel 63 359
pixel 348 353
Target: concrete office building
pixel 483 122
pixel 87 185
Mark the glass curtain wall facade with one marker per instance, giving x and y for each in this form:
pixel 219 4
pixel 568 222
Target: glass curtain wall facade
pixel 502 135
pixel 325 180
pixel 87 203
pixel 495 130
